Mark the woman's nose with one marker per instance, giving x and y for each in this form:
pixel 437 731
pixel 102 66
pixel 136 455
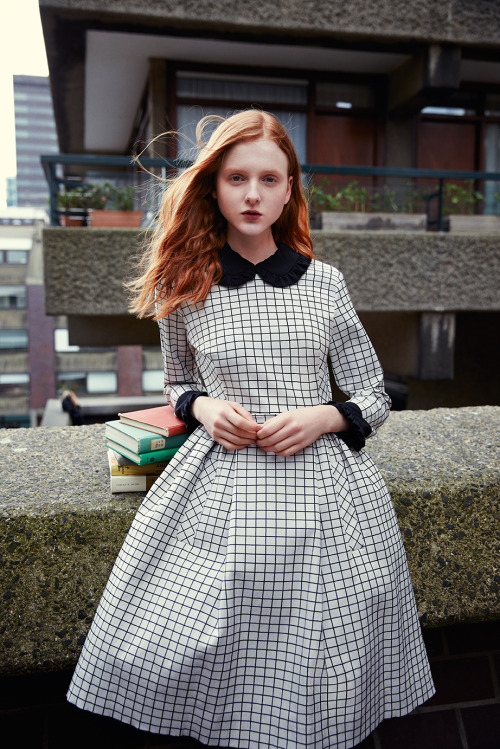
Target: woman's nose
pixel 253 195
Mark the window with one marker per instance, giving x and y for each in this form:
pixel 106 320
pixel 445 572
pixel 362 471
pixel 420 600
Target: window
pixel 239 88
pixel 61 341
pixel 32 110
pixel 16 257
pixel 344 95
pixel 33 96
pixel 152 381
pixel 492 105
pixel 188 118
pixel 13 339
pixel 87 383
pixel 14 385
pixel 101 382
pixel 286 99
pixel 12 297
pixel 448 111
pixel 75 381
pixel 492 164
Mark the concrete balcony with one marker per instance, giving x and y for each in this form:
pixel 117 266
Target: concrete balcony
pixel 429 301
pixel 85 270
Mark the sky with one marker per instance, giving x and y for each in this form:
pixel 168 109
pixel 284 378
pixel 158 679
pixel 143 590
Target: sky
pixel 22 52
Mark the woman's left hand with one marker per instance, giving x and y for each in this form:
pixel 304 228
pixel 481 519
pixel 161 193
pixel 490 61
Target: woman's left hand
pixel 291 431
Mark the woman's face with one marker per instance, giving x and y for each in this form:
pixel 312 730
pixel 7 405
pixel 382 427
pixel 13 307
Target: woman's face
pixel 252 188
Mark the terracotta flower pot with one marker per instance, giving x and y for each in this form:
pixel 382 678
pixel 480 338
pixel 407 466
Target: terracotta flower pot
pixel 130 219
pixel 71 221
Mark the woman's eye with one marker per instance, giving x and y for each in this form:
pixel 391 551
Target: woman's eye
pixel 235 178
pixel 270 179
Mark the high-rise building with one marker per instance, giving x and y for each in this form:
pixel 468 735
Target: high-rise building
pixel 11 187
pixel 37 361
pixel 35 134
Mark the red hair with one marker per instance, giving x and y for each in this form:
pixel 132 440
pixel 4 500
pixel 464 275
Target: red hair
pixel 181 260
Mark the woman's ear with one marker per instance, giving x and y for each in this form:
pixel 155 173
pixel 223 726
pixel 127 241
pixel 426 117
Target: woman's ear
pixel 289 190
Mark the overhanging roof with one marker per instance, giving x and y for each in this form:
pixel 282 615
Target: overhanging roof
pixel 116 70
pixel 98 54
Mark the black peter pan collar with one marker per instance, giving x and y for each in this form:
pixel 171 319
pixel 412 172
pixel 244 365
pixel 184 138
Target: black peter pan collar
pixel 282 269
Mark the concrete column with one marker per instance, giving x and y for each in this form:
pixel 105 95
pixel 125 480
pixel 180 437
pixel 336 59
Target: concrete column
pixel 437 346
pixel 157 101
pixel 41 354
pixel 162 110
pixel 425 78
pixel 129 370
pixel 400 143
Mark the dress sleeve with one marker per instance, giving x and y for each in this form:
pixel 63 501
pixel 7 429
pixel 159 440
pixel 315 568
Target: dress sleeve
pixel 356 368
pixel 182 381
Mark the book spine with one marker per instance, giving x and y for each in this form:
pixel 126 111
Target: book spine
pixel 159 456
pixel 166 431
pixel 148 445
pixel 124 484
pixel 154 469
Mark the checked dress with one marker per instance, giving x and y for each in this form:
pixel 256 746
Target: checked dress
pixel 262 601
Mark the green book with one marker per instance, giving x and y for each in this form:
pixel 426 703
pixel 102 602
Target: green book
pixel 142 459
pixel 141 440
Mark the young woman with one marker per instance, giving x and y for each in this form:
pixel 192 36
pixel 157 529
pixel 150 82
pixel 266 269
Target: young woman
pixel 262 596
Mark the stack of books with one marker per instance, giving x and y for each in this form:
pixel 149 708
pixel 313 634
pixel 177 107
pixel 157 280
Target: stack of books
pixel 140 444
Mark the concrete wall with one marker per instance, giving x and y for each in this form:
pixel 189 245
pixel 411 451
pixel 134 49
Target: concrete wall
pixel 61 529
pixel 386 271
pixel 398 281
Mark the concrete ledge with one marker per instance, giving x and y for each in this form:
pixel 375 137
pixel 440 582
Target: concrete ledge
pixel 388 20
pixel 447 272
pixel 61 529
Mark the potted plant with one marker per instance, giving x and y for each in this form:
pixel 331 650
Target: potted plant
pixel 461 202
pixel 76 202
pixel 355 207
pixel 117 208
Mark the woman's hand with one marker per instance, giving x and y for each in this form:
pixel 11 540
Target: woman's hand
pixel 291 431
pixel 231 425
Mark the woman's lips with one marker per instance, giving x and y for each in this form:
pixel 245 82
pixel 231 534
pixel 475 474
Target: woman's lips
pixel 252 215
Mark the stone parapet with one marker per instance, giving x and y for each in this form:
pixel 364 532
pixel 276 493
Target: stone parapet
pixel 61 528
pixel 385 271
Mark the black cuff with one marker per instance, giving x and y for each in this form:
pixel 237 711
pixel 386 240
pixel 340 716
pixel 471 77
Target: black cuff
pixel 183 408
pixel 358 430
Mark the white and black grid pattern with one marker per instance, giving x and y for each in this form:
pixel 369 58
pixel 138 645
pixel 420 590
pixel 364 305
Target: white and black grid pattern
pixel 262 601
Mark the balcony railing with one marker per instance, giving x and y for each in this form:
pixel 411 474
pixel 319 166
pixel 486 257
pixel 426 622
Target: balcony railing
pixel 437 193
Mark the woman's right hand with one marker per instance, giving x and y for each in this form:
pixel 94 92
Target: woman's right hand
pixel 231 425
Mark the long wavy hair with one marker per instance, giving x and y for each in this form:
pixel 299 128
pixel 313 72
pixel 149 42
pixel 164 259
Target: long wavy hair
pixel 180 262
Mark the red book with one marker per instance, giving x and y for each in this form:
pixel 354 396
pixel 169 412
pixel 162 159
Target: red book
pixel 161 420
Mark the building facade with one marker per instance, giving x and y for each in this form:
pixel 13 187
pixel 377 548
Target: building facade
pixel 35 134
pixel 37 362
pixel 372 84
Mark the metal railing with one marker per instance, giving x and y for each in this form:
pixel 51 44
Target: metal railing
pixel 122 167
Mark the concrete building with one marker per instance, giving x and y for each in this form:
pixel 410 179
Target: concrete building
pixel 11 190
pixel 37 363
pixel 35 134
pixel 27 357
pixel 369 84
